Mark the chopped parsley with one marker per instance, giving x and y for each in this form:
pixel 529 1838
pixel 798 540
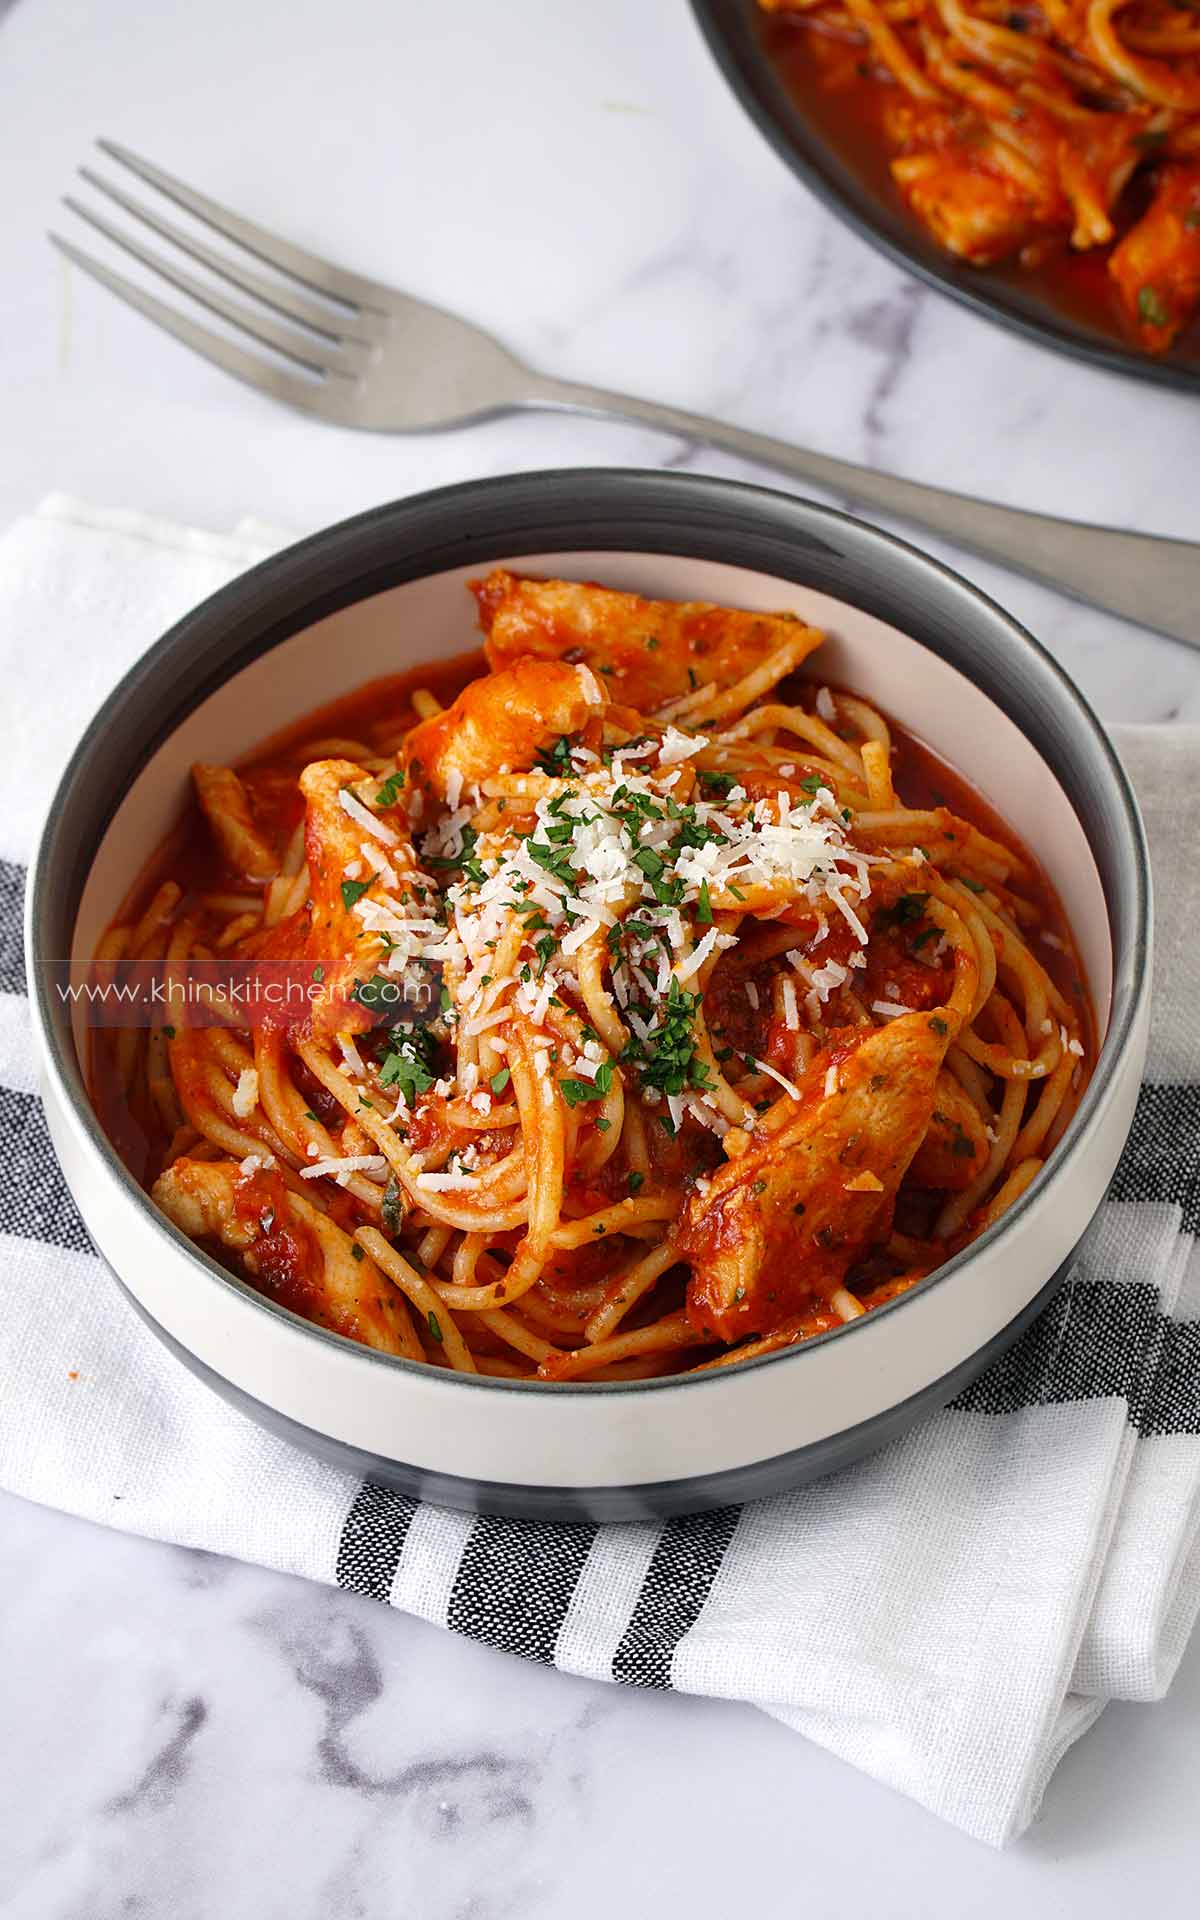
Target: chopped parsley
pixel 554 862
pixel 435 1331
pixel 574 1092
pixel 636 1182
pixel 500 1080
pixel 382 997
pixel 666 1059
pixel 391 1207
pixel 408 1063
pixel 470 865
pixel 555 760
pixel 389 792
pixel 352 891
pixel 1151 308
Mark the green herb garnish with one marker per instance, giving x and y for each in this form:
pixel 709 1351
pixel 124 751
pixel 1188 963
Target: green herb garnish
pixel 408 1063
pixel 389 792
pixel 553 862
pixel 1151 308
pixel 380 996
pixel 555 760
pixel 574 1092
pixel 666 1059
pixel 391 1207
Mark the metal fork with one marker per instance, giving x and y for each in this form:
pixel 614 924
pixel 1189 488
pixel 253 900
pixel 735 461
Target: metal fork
pixel 367 355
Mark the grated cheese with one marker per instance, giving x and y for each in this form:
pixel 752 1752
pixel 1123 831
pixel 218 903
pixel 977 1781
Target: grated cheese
pixel 772 1073
pixel 678 746
pixel 245 1094
pixel 791 1011
pixel 254 1161
pixel 351 1057
pixel 363 817
pixel 341 1166
pixel 451 1182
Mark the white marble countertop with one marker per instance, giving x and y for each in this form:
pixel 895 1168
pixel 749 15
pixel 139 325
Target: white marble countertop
pixel 184 1736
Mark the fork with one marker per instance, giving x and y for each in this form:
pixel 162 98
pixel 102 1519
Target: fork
pixel 362 354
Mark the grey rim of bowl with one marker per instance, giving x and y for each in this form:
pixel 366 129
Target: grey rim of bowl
pixel 728 31
pixel 629 510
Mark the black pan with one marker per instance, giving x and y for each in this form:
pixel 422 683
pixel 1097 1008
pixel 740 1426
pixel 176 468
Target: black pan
pixel 859 190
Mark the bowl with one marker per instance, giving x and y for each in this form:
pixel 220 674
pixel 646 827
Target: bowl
pixel 384 590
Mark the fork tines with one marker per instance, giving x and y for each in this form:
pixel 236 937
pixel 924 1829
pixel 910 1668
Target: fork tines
pixel 331 337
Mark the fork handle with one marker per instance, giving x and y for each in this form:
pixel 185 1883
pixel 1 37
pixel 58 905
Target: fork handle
pixel 1143 577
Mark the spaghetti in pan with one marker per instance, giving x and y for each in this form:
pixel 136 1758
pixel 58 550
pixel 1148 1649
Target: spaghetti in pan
pixel 663 1006
pixel 1029 132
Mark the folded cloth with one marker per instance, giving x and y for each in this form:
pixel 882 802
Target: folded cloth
pixel 949 1615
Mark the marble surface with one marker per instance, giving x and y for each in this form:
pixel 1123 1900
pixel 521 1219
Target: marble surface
pixel 188 1737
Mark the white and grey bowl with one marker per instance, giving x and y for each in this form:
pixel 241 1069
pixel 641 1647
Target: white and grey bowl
pixel 385 591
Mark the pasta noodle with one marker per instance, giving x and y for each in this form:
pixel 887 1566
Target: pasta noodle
pixel 661 1006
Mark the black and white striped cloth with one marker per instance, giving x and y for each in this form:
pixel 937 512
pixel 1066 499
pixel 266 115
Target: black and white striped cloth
pixel 949 1615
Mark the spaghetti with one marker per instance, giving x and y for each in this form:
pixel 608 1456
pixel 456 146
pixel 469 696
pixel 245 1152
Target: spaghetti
pixel 648 1025
pixel 1020 131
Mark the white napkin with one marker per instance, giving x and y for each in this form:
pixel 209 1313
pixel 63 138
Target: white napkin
pixel 949 1615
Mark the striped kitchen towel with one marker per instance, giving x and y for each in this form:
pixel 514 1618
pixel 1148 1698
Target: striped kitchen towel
pixel 949 1615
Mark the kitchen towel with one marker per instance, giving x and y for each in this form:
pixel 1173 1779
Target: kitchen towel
pixel 949 1615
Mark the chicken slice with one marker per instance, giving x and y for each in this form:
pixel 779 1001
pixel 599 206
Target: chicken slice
pixel 1157 264
pixel 226 807
pixel 349 896
pixel 649 651
pixel 291 1250
pixel 968 210
pixel 955 1148
pixel 780 1226
pixel 502 722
